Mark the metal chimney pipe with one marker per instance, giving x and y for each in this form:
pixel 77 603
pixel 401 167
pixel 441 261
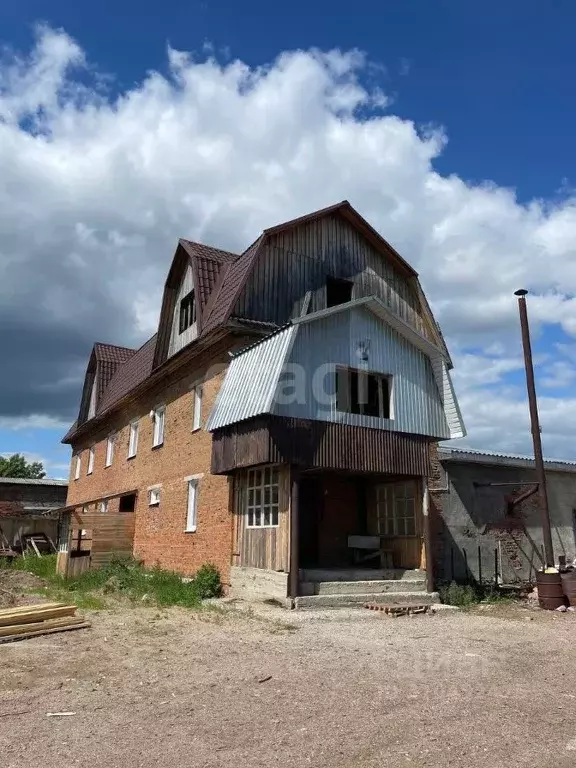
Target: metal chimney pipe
pixel 535 425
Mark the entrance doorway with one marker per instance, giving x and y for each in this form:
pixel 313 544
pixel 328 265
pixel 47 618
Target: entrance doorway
pixel 397 522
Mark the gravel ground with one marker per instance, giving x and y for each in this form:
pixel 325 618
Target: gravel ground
pixel 493 688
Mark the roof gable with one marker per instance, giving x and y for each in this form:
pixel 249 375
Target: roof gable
pixel 352 216
pixel 206 264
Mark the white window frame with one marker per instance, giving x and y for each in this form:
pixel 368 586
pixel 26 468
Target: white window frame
pixel 90 461
pixel 110 450
pixel 103 506
pixel 78 466
pixel 133 439
pixel 154 495
pixel 158 423
pixel 192 506
pixel 197 408
pixel 263 498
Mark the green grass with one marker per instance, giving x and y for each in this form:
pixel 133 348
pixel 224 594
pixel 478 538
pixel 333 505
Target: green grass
pixel 44 567
pixel 123 577
pixel 468 595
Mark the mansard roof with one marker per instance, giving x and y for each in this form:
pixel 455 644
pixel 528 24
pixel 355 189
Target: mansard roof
pixel 219 278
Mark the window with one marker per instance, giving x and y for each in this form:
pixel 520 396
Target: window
pixel 90 461
pixel 187 312
pixel 133 440
pixel 158 419
pixel 396 509
pixel 192 504
pixel 92 404
pixel 262 498
pixel 197 415
pixel 338 291
pixel 77 466
pixel 103 506
pixel 153 497
pixel 127 503
pixel 110 450
pixel 364 393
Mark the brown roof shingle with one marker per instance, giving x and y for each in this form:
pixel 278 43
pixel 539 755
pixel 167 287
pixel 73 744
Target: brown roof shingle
pixel 109 357
pixel 111 353
pixel 225 294
pixel 129 375
pixel 209 262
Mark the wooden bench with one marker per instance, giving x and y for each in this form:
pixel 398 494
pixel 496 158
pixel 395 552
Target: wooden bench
pixel 367 548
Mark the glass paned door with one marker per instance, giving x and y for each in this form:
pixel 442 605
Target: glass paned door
pixel 398 522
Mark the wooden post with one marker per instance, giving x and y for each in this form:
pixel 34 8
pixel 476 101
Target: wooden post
pixel 427 536
pixel 294 513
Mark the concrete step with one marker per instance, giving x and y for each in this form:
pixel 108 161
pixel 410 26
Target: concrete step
pixel 360 574
pixel 344 601
pixel 375 586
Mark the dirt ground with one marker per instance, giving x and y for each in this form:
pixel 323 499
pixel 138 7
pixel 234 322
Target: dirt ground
pixel 493 687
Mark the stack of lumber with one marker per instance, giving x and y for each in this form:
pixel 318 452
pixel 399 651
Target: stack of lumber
pixel 43 619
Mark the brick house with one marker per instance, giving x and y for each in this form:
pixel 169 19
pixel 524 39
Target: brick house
pixel 279 423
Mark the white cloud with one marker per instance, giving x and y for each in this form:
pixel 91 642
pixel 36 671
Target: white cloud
pixel 559 374
pixel 33 421
pixel 96 190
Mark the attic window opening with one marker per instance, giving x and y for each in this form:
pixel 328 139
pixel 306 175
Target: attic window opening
pixel 363 393
pixel 338 291
pixel 187 312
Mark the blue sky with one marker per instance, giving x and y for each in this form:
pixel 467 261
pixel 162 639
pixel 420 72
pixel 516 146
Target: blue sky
pixel 498 75
pixel 495 79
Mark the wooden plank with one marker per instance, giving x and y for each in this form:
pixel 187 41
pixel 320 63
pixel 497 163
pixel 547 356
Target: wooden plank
pixel 15 629
pixel 46 631
pixel 35 613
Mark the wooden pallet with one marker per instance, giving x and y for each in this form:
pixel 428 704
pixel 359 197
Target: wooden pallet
pixel 398 610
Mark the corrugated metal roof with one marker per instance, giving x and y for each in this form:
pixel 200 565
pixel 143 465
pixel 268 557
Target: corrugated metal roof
pixel 251 380
pixel 30 481
pixel 447 453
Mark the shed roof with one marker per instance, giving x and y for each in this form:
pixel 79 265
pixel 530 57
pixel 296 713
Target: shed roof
pixel 474 456
pixel 32 481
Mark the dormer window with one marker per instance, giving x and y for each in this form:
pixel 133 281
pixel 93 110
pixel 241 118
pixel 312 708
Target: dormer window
pixel 187 312
pixel 338 291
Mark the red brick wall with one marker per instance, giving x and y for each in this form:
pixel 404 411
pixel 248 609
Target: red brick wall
pixel 159 536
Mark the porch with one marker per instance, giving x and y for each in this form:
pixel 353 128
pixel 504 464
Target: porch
pixel 328 538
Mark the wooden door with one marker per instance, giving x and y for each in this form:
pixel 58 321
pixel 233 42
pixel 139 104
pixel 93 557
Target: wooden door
pixel 399 522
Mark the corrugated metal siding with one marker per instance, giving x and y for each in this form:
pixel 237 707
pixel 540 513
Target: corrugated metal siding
pixel 451 408
pixel 334 340
pixel 180 340
pixel 299 259
pixel 314 444
pixel 251 380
